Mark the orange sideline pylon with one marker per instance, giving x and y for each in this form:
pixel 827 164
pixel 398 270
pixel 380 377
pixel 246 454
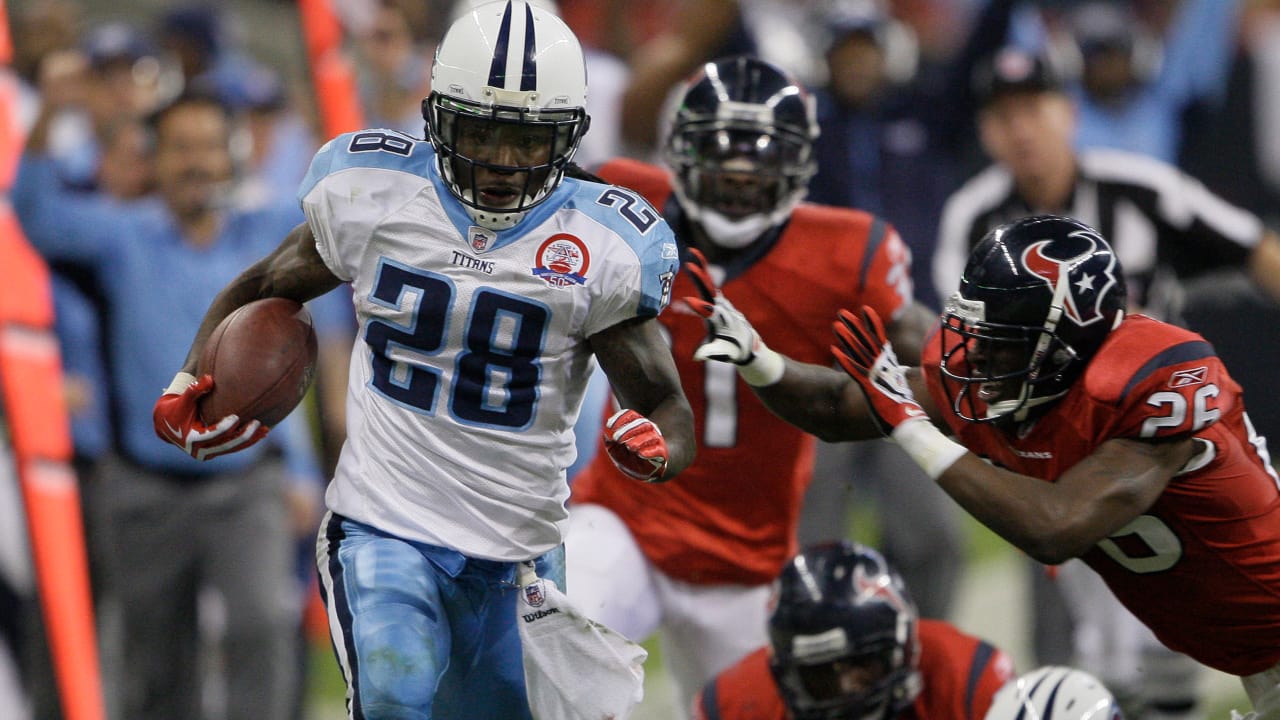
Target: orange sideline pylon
pixel 31 392
pixel 333 79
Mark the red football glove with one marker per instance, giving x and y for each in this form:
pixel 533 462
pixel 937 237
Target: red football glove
pixel 636 446
pixel 863 350
pixel 177 421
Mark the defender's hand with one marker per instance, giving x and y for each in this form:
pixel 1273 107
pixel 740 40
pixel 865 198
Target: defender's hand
pixel 177 421
pixel 730 337
pixel 636 446
pixel 863 350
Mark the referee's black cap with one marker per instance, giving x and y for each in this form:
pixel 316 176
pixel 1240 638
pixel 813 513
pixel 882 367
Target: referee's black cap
pixel 1013 70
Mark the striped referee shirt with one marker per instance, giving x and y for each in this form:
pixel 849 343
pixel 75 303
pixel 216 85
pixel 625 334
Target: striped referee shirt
pixel 1164 225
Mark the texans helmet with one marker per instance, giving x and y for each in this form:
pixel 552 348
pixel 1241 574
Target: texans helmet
pixel 1037 299
pixel 1054 693
pixel 842 635
pixel 508 101
pixel 740 147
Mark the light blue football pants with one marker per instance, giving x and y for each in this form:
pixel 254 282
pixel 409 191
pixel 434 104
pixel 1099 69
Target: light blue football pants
pixel 423 632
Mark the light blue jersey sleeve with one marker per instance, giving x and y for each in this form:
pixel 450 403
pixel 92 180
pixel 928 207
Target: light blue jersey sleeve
pixel 380 148
pixel 645 232
pixel 355 180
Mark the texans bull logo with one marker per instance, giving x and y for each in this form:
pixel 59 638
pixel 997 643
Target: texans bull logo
pixel 1087 285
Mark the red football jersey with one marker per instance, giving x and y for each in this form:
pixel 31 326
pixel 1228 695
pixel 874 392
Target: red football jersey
pixel 730 517
pixel 1202 566
pixel 960 675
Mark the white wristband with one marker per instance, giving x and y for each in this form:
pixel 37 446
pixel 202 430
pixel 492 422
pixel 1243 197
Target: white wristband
pixel 181 382
pixel 924 443
pixel 766 368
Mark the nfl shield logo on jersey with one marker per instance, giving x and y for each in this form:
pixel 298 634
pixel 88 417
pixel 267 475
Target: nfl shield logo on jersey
pixel 533 594
pixel 480 238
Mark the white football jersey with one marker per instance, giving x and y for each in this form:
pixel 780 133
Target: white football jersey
pixel 471 356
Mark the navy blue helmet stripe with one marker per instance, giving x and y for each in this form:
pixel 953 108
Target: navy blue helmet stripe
pixel 1022 712
pixel 498 68
pixel 1189 351
pixel 529 78
pixel 1053 696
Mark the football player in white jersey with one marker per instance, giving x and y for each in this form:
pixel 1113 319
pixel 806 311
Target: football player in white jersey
pixel 484 281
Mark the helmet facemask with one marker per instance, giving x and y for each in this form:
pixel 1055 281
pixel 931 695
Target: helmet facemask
pixel 501 160
pixel 1003 371
pixel 871 685
pixel 843 636
pixel 738 179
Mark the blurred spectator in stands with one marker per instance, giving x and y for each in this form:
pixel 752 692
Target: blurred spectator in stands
pixel 277 141
pixel 172 530
pixel 618 27
pixel 206 44
pixel 1133 83
pixel 887 146
pixel 123 80
pixel 36 30
pixel 394 50
pixel 703 30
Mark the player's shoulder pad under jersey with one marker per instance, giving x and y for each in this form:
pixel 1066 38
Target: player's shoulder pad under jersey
pixel 1143 353
pixel 632 219
pixel 371 149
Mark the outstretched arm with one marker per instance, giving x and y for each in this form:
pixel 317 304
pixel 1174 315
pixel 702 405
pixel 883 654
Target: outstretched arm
pixel 817 399
pixel 1056 521
pixel 1051 519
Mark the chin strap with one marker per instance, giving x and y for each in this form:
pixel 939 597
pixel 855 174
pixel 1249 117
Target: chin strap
pixel 732 234
pixel 737 234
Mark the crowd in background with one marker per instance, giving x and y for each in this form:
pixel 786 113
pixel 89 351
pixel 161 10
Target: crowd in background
pixel 1193 83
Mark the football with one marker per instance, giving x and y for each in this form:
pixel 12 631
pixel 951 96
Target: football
pixel 262 358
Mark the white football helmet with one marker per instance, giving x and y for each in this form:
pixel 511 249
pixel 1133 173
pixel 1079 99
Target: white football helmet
pixel 1054 692
pixel 511 70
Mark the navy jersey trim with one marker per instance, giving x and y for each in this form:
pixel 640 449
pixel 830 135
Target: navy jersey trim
pixel 981 658
pixel 875 238
pixel 710 701
pixel 1189 351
